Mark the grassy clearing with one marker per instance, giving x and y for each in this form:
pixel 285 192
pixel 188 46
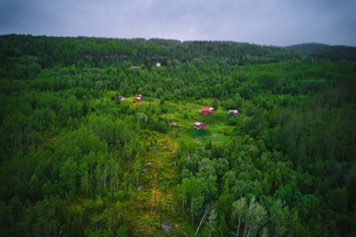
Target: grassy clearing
pixel 218 128
pixel 157 202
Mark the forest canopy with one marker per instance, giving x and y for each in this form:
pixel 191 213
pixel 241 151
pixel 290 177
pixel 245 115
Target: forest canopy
pixel 81 155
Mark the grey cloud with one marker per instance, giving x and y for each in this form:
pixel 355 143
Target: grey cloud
pixel 276 22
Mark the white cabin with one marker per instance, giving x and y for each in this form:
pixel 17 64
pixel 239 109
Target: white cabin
pixel 233 112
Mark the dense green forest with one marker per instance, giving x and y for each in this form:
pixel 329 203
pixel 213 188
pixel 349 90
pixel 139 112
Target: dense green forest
pixel 77 160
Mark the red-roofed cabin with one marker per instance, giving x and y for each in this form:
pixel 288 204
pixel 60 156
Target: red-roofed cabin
pixel 199 125
pixel 205 111
pixel 139 97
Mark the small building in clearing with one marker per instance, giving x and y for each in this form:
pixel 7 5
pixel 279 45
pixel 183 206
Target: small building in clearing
pixel 233 112
pixel 205 111
pixel 119 99
pixel 199 125
pixel 158 64
pixel 139 97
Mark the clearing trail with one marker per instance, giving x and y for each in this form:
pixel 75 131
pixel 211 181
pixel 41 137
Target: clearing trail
pixel 155 201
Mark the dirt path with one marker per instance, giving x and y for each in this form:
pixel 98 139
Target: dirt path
pixel 155 202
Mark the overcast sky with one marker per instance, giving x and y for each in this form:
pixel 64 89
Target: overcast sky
pixel 268 22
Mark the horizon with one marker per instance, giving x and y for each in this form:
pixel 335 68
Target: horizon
pixel 181 41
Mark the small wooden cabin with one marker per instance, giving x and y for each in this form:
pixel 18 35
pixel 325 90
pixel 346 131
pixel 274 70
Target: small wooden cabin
pixel 199 125
pixel 120 99
pixel 233 112
pixel 205 111
pixel 139 97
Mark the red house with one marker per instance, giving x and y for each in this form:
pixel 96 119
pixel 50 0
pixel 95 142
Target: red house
pixel 199 125
pixel 139 97
pixel 205 111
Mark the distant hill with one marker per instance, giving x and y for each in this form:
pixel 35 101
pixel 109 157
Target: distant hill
pixel 335 53
pixel 307 47
pixel 47 52
pixel 324 51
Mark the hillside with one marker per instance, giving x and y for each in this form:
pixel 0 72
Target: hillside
pixel 307 47
pixel 326 52
pixel 336 53
pixel 80 155
pixel 49 51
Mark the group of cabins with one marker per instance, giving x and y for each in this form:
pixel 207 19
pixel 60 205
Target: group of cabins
pixel 202 111
pixel 120 98
pixel 207 111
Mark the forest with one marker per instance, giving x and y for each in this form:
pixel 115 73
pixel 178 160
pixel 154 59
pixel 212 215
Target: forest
pixel 81 155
